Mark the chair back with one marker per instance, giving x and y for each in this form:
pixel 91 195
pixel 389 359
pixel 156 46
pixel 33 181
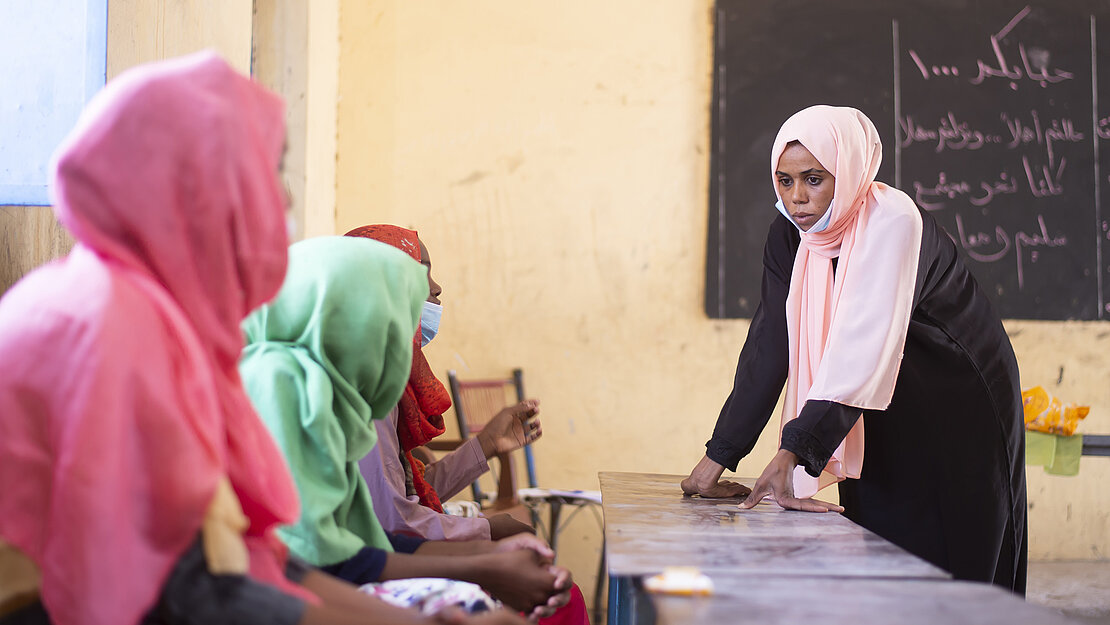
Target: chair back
pixel 476 402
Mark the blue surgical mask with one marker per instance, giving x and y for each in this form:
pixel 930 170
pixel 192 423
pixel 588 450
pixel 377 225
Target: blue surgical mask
pixel 429 322
pixel 817 227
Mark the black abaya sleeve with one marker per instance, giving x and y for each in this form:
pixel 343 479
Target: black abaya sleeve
pixel 762 368
pixel 817 432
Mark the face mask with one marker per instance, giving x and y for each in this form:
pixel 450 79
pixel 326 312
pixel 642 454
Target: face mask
pixel 429 322
pixel 817 227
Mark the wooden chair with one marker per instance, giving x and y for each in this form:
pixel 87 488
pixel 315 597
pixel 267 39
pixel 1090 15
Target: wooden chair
pixel 478 401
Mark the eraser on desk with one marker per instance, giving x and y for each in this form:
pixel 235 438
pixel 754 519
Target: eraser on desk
pixel 679 580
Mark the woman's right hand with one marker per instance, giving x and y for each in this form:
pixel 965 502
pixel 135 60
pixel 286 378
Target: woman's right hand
pixel 705 480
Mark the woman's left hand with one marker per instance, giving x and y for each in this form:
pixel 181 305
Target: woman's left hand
pixel 777 480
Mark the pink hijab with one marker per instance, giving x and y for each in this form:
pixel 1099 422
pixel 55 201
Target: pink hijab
pixel 846 335
pixel 120 399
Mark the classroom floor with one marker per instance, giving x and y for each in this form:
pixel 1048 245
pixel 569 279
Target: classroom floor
pixel 1079 589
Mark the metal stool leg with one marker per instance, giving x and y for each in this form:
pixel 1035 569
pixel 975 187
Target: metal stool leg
pixel 617 611
pixel 553 529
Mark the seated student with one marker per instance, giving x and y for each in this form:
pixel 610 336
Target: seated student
pixel 407 494
pixel 324 360
pixel 138 483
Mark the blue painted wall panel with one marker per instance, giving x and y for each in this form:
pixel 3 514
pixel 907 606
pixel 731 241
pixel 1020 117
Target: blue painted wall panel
pixel 52 60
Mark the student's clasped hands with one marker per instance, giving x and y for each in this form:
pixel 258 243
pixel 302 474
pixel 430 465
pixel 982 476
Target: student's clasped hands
pixel 525 575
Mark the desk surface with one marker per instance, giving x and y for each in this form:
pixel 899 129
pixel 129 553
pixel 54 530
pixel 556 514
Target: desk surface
pixel 773 566
pixel 651 525
pixel 746 599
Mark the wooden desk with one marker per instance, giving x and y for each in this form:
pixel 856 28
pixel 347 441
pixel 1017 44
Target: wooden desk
pixel 773 566
pixel 848 601
pixel 650 525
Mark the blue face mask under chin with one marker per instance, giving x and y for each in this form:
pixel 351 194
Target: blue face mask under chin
pixel 429 322
pixel 817 227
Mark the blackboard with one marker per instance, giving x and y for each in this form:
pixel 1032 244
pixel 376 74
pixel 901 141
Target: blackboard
pixel 994 115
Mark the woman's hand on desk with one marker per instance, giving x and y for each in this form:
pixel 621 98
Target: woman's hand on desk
pixel 778 481
pixel 705 480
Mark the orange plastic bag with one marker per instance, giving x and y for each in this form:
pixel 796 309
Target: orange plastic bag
pixel 1045 413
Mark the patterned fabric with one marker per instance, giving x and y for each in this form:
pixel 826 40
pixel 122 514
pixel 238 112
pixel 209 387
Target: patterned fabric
pixel 122 407
pixel 425 399
pixel 431 595
pixel 401 238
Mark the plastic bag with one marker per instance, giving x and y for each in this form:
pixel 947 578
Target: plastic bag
pixel 1045 413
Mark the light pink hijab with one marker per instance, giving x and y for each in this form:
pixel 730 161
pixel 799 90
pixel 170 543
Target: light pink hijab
pixel 120 401
pixel 847 334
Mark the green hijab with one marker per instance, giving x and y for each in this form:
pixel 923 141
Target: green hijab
pixel 327 356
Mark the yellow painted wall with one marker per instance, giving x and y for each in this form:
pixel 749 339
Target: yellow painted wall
pixel 554 158
pixel 296 54
pixel 1069 517
pixel 322 115
pixel 140 31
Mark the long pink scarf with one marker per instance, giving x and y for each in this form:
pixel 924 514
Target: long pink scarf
pixel 120 402
pixel 847 331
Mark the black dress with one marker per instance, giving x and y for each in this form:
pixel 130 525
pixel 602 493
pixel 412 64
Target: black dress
pixel 944 465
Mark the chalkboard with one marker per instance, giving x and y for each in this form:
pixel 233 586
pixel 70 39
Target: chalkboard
pixel 993 113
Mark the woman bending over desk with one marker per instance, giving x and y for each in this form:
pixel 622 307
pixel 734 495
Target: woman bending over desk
pixel 870 317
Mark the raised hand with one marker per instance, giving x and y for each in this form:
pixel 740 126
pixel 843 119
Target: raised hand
pixel 511 428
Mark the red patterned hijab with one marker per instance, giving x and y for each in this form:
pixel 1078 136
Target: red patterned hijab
pixel 420 411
